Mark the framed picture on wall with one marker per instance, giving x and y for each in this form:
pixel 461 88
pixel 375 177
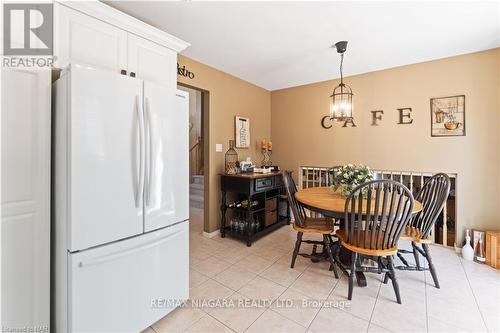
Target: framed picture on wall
pixel 448 116
pixel 242 132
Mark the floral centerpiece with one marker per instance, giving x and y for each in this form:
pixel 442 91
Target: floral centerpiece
pixel 349 176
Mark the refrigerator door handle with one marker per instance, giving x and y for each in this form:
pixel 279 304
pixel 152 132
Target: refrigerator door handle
pixel 149 158
pixel 140 186
pixel 116 255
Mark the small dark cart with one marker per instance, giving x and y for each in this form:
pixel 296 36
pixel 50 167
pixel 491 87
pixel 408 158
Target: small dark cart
pixel 256 201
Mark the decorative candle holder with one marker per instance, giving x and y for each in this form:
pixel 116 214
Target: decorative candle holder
pixel 265 158
pixel 269 162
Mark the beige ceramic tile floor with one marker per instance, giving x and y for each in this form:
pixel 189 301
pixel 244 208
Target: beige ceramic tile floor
pixel 469 298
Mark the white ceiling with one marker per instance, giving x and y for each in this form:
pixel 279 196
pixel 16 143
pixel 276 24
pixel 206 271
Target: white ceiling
pixel 282 44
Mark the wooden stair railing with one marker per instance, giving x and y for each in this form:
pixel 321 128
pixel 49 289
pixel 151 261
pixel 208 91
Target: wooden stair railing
pixel 195 156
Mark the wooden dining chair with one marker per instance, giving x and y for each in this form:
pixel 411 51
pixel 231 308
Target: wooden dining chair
pixel 433 196
pixel 304 224
pixel 376 214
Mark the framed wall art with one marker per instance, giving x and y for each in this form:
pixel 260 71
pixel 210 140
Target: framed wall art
pixel 242 132
pixel 448 116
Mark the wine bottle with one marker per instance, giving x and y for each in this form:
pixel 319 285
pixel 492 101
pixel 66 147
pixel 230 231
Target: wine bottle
pixel 236 204
pixel 245 203
pixel 479 255
pixel 231 205
pixel 242 204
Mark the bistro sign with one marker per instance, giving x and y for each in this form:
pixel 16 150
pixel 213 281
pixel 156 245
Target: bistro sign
pixel 404 118
pixel 183 71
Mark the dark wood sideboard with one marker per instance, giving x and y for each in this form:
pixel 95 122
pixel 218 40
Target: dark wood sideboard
pixel 266 210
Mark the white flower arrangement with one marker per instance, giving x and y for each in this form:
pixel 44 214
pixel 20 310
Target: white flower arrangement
pixel 349 176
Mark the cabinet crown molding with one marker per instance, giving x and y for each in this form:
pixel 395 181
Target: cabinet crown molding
pixel 110 15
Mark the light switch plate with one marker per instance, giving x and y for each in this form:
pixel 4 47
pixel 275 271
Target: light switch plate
pixel 218 147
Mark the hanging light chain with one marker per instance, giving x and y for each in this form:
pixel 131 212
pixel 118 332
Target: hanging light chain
pixel 341 66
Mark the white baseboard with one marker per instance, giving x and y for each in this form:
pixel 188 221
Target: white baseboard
pixel 211 234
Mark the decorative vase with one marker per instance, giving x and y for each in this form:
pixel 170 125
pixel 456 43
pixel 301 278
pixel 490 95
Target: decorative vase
pixel 440 115
pixel 231 159
pixel 467 250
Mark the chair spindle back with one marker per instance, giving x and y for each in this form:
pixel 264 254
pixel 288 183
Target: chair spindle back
pixel 376 213
pixel 298 211
pixel 433 196
pixel 331 173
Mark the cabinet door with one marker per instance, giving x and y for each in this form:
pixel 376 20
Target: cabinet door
pixel 152 62
pixel 25 207
pixel 83 39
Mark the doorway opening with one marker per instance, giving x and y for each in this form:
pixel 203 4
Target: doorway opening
pixel 198 156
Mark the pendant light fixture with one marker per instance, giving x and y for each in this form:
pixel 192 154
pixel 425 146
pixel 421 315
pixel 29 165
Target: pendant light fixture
pixel 341 104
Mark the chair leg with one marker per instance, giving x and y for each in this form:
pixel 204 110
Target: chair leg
pixel 432 268
pixel 331 244
pixel 331 240
pixel 386 277
pixel 386 274
pixel 392 274
pixel 330 255
pixel 415 255
pixel 336 257
pixel 297 248
pixel 352 273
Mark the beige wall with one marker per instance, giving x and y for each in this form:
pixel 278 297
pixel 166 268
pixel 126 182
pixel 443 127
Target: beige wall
pixel 300 140
pixel 229 97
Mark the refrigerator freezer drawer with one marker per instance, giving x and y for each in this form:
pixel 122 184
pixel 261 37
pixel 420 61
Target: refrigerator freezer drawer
pixel 113 288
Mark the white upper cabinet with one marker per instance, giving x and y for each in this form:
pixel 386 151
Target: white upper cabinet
pixel 151 62
pixel 91 32
pixel 83 39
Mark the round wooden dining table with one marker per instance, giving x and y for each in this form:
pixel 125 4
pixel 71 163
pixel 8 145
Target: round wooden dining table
pixel 323 201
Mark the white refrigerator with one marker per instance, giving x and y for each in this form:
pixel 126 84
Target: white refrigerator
pixel 120 201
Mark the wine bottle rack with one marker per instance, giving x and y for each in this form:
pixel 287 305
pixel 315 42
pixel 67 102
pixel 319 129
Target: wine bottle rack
pixel 250 206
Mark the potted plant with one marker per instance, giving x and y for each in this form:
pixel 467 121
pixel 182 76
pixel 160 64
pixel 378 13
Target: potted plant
pixel 349 176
